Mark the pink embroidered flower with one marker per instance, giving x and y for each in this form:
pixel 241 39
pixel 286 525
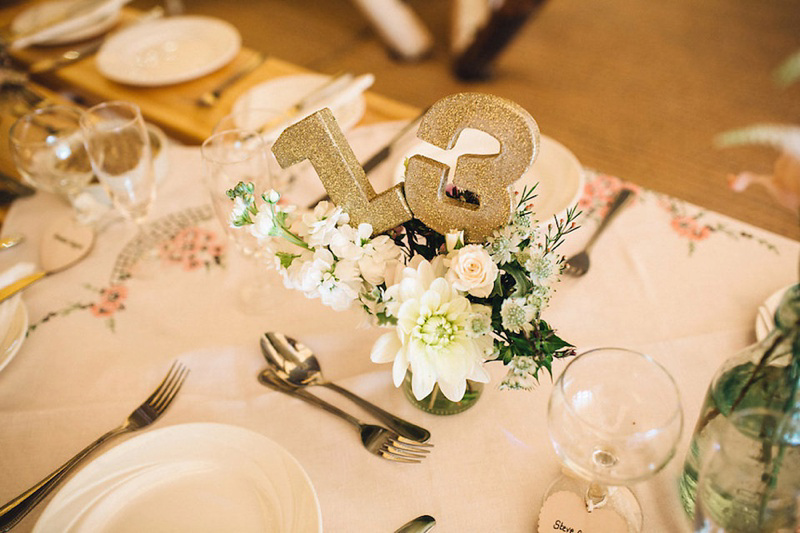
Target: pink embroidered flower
pixel 112 299
pixel 193 248
pixel 688 227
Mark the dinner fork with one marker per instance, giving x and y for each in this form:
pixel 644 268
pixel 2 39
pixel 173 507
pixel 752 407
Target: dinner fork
pixel 377 440
pixel 578 264
pixel 144 415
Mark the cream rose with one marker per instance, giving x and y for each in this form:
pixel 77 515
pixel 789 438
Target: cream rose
pixel 472 270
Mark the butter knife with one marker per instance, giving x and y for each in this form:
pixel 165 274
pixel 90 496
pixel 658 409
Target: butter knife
pixel 381 155
pixel 209 98
pixel 421 524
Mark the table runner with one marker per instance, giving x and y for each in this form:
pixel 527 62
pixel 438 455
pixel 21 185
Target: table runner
pixel 670 279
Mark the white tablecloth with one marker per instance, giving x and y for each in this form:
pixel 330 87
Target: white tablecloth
pixel 669 279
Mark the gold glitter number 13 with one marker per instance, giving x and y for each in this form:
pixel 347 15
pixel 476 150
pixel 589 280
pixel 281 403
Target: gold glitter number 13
pixel 319 139
pixel 490 177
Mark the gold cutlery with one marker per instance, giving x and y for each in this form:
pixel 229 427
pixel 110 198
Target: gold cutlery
pixel 209 98
pixel 11 241
pixel 144 415
pixel 64 244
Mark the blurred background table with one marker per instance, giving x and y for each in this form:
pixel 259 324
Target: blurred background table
pixel 635 89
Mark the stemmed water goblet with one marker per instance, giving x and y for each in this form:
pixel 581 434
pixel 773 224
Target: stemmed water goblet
pixel 614 418
pixel 118 145
pixel 231 156
pixel 48 150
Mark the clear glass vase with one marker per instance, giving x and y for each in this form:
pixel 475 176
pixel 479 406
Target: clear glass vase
pixel 763 376
pixel 437 403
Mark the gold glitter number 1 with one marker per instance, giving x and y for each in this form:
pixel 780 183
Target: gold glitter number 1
pixel 489 177
pixel 319 139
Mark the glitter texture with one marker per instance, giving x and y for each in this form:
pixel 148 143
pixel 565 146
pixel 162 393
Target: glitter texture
pixel 319 139
pixel 490 177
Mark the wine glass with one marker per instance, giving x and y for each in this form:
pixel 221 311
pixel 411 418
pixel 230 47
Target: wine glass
pixel 229 157
pixel 48 150
pixel 614 418
pixel 751 480
pixel 118 145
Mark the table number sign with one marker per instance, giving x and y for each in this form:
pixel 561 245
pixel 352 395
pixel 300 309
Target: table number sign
pixel 565 512
pixel 423 194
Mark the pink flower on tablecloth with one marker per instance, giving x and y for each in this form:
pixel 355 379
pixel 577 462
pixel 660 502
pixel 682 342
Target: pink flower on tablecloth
pixel 112 299
pixel 193 248
pixel 599 192
pixel 689 227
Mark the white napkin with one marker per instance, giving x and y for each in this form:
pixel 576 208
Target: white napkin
pixel 9 307
pixel 88 11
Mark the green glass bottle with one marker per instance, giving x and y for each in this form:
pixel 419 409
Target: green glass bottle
pixel 765 375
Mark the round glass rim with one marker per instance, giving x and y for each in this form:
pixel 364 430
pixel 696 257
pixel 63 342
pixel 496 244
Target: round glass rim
pixel 676 413
pixel 206 150
pixel 137 116
pixel 36 113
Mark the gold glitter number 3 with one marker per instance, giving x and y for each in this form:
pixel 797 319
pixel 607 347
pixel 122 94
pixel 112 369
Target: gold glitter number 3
pixel 489 177
pixel 319 139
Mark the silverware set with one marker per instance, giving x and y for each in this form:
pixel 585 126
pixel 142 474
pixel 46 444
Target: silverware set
pixel 292 367
pixel 144 415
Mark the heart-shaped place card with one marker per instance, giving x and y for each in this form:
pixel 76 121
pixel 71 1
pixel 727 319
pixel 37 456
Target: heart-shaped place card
pixel 566 512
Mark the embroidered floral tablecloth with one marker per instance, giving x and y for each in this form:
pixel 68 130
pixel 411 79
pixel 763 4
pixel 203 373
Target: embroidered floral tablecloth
pixel 670 279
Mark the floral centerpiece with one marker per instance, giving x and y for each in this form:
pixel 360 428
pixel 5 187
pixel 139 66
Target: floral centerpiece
pixel 451 306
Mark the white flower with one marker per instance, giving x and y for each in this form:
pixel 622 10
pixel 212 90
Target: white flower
pixel 454 240
pixel 538 297
pixel 320 225
pixel 432 337
pixel 239 208
pixel 373 256
pixel 504 244
pixel 517 315
pixel 335 282
pixel 523 225
pixel 520 374
pixel 263 224
pixel 542 267
pixel 472 270
pixel 480 321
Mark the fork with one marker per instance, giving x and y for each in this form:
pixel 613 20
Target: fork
pixel 144 415
pixel 211 97
pixel 377 440
pixel 578 264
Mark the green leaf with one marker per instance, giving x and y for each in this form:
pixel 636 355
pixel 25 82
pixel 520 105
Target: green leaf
pixel 522 285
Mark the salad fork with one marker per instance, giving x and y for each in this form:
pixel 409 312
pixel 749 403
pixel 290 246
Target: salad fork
pixel 377 440
pixel 578 264
pixel 144 415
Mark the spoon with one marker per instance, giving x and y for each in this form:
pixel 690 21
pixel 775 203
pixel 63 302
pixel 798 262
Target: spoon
pixel 295 364
pixel 64 243
pixel 421 524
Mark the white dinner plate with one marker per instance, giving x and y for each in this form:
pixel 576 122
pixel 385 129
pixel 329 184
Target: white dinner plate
pixel 285 91
pixel 38 14
pixel 556 172
pixel 167 51
pixel 189 477
pixel 765 318
pixel 15 336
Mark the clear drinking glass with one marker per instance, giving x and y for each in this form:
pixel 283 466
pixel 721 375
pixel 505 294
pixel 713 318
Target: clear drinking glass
pixel 118 144
pixel 231 156
pixel 48 150
pixel 614 418
pixel 750 482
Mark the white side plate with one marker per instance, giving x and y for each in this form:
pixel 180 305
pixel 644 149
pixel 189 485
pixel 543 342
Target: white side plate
pixel 167 51
pixel 189 477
